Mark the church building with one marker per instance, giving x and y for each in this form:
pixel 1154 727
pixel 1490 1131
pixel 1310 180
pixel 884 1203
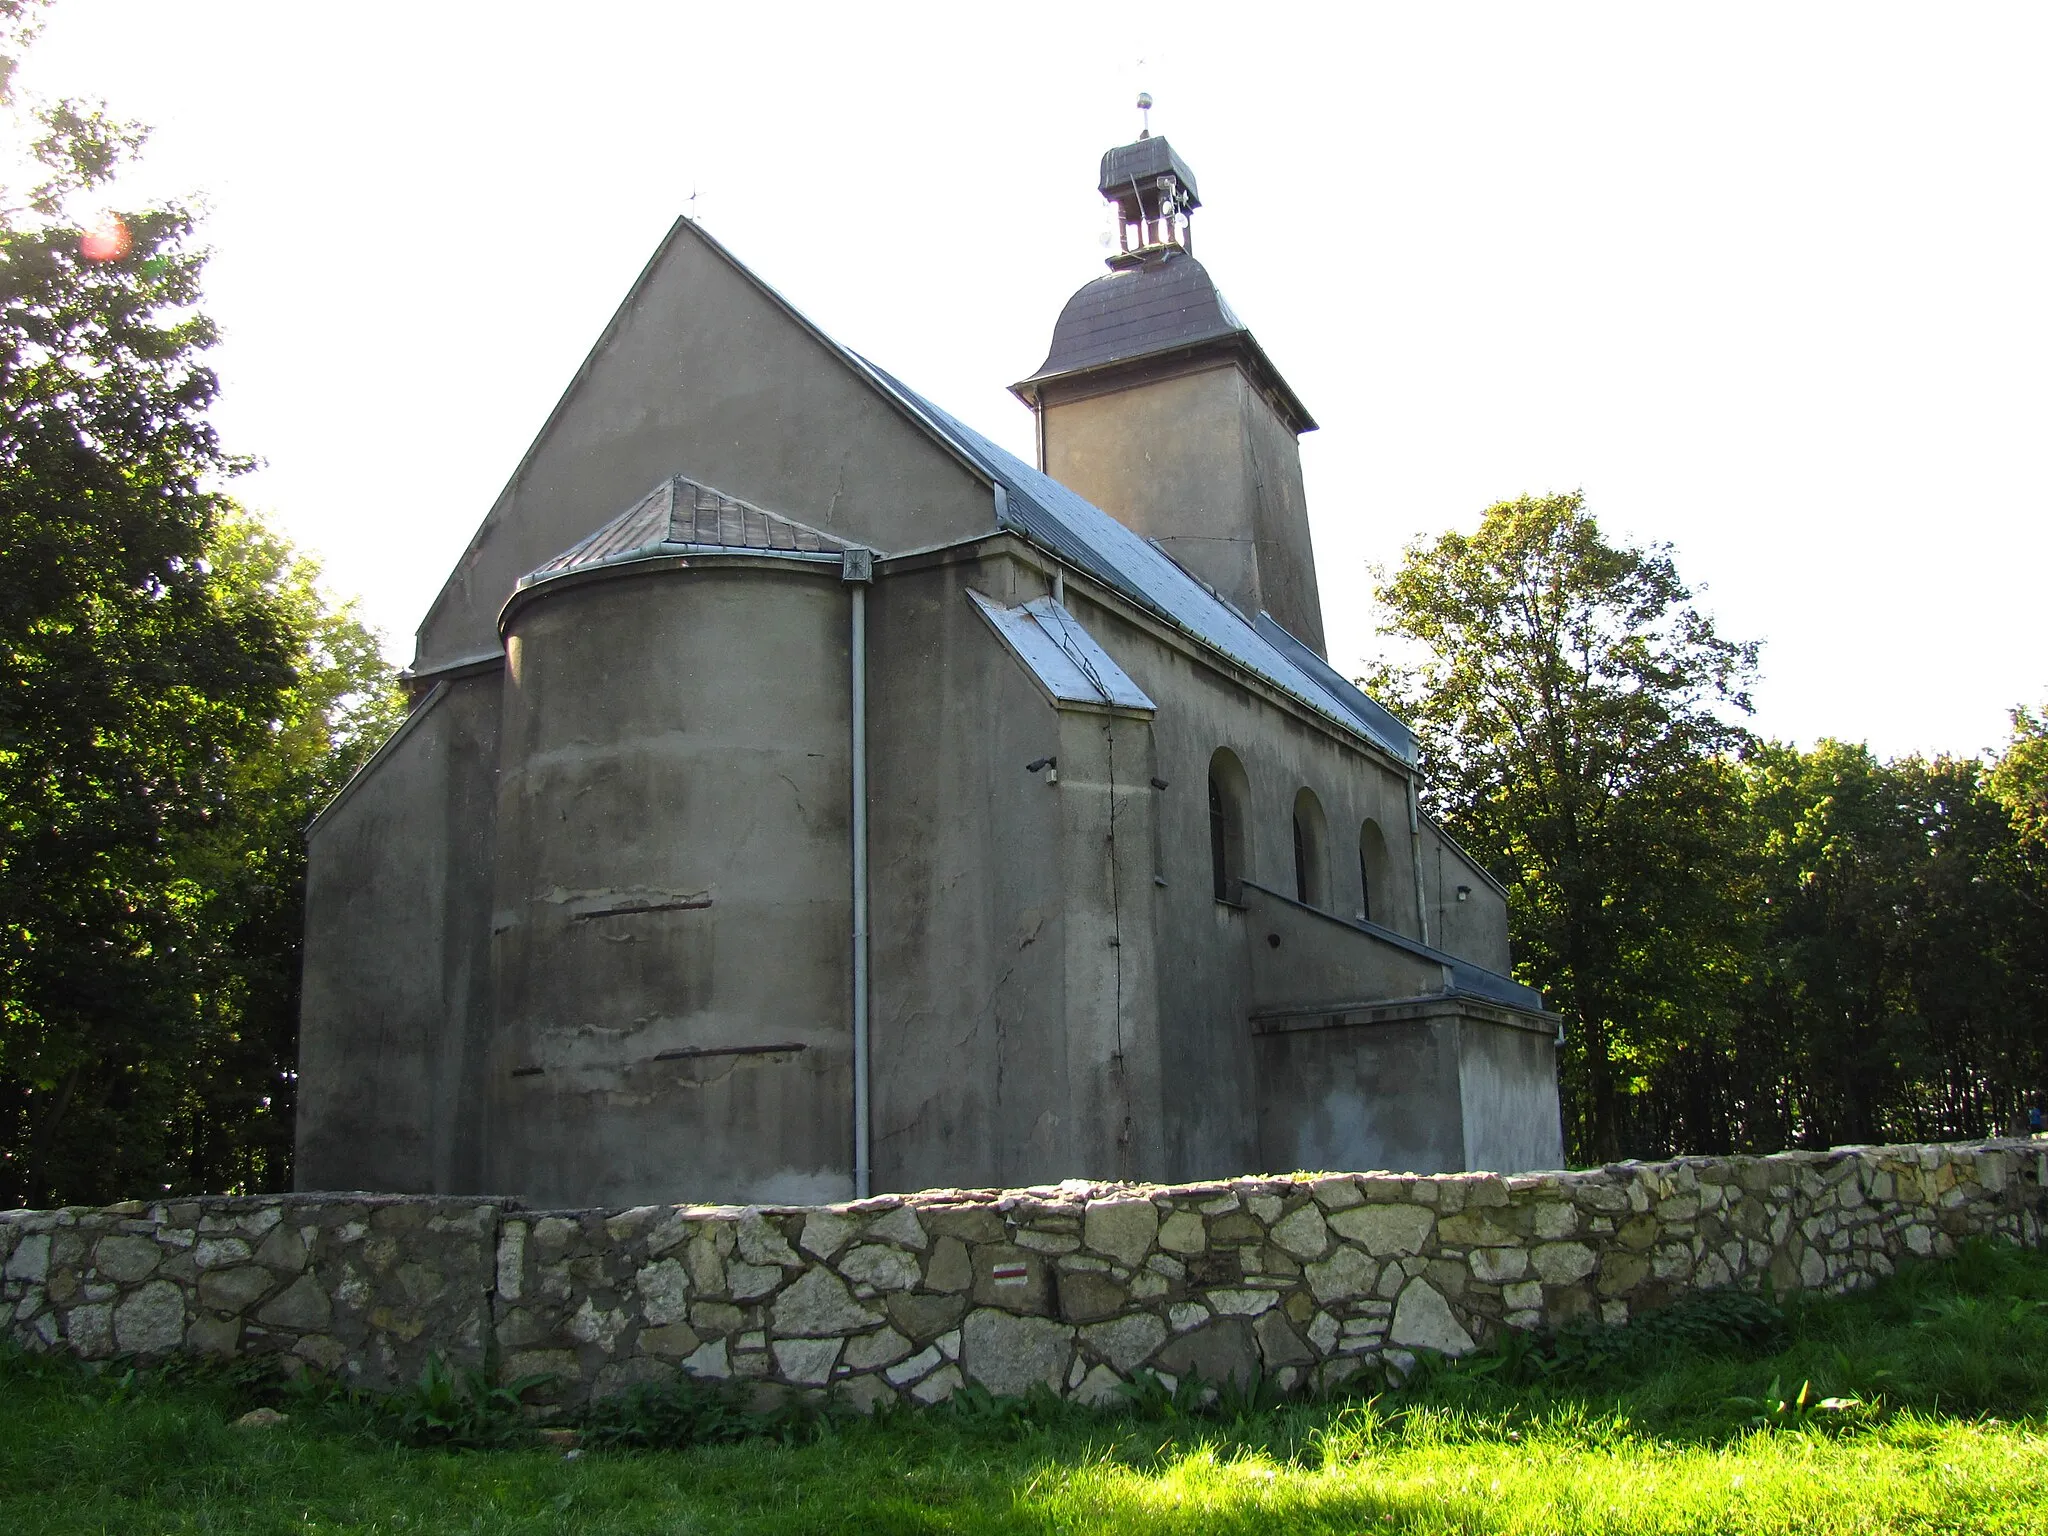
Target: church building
pixel 802 797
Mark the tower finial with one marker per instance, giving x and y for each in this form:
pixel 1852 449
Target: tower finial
pixel 1145 114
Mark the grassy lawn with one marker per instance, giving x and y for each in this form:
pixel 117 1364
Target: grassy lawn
pixel 1667 1427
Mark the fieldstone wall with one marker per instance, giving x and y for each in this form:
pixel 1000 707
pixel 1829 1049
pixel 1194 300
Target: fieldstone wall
pixel 1306 1279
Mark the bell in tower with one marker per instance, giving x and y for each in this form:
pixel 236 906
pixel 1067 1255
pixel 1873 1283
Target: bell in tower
pixel 1153 193
pixel 1158 405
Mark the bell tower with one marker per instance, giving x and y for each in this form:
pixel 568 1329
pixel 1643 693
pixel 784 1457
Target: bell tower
pixel 1158 405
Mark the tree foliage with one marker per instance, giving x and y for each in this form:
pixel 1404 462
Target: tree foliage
pixel 2020 778
pixel 1899 976
pixel 1573 708
pixel 174 696
pixel 1754 946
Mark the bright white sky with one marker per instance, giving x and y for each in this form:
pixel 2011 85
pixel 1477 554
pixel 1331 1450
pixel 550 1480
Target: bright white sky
pixel 1766 281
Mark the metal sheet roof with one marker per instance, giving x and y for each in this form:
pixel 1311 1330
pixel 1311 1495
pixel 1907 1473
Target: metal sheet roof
pixel 1066 661
pixel 1377 717
pixel 1060 521
pixel 680 517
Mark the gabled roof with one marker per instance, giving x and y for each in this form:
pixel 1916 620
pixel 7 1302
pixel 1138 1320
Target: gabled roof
pixel 1042 511
pixel 681 517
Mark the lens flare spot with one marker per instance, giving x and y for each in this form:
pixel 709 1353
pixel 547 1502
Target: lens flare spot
pixel 107 240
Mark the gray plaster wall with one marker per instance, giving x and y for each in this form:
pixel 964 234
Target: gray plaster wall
pixel 1287 560
pixel 1200 462
pixel 1475 927
pixel 396 1002
pixel 1111 1007
pixel 1204 947
pixel 1378 1095
pixel 672 919
pixel 1508 1093
pixel 703 372
pixel 1300 956
pixel 1014 1027
pixel 1047 957
pixel 964 883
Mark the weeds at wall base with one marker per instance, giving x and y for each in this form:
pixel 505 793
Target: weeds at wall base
pixel 1965 1337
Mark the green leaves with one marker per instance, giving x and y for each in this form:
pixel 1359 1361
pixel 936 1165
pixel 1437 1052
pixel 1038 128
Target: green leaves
pixel 1775 1409
pixel 1896 983
pixel 1757 946
pixel 2020 778
pixel 461 1409
pixel 176 698
pixel 1576 713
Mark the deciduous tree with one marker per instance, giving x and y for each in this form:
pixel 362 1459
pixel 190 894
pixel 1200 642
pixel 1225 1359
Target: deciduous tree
pixel 1577 712
pixel 173 694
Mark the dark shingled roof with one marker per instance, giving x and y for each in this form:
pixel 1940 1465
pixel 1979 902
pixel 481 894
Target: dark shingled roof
pixel 681 517
pixel 1131 169
pixel 1163 304
pixel 1166 301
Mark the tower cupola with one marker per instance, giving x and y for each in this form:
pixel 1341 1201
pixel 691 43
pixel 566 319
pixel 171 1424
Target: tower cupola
pixel 1157 404
pixel 1154 195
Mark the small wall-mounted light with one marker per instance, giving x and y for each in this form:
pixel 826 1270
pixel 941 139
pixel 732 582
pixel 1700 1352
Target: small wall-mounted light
pixel 1464 893
pixel 1049 765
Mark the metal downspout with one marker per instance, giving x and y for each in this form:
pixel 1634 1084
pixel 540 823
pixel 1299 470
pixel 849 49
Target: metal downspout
pixel 857 569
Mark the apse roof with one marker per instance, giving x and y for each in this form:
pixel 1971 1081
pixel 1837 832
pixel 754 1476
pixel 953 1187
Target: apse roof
pixel 680 517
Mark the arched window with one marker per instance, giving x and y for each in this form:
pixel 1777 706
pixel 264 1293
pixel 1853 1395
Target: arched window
pixel 1228 792
pixel 1311 837
pixel 1375 874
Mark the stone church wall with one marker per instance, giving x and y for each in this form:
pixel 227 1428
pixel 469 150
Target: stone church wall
pixel 1077 1286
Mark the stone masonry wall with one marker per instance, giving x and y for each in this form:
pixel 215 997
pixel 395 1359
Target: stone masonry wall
pixel 1078 1286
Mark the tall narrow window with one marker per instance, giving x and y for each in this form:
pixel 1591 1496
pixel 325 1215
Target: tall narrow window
pixel 1311 870
pixel 1228 793
pixel 1219 852
pixel 1376 892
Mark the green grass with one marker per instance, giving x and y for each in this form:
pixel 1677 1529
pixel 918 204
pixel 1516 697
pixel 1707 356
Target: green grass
pixel 1669 1427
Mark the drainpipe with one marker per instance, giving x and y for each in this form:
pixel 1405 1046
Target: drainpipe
pixel 1415 853
pixel 857 570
